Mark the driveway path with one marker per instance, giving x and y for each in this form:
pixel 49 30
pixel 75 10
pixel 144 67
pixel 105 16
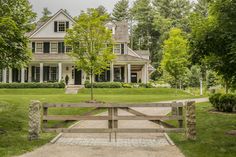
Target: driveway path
pixel 127 145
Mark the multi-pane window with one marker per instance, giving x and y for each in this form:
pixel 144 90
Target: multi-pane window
pixel 54 47
pixel 39 47
pixel 37 74
pixel 61 26
pixel 117 48
pixel 53 71
pixel 68 49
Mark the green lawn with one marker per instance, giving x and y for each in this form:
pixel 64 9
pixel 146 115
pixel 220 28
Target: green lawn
pixel 211 138
pixel 14 110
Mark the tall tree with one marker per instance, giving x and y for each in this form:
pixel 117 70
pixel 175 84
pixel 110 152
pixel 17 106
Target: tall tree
pixel 201 7
pixel 121 10
pixel 46 14
pixel 175 60
pixel 91 43
pixel 213 38
pixel 14 24
pixel 101 10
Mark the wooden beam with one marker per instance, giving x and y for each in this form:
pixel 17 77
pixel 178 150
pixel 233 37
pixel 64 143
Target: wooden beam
pixel 123 130
pixel 132 111
pixel 72 118
pixel 91 105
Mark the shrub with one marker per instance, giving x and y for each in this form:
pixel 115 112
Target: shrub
pixel 104 85
pixel 127 85
pixel 32 85
pixel 215 100
pixel 223 102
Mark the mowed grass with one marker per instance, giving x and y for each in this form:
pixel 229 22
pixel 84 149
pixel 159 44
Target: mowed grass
pixel 212 140
pixel 14 110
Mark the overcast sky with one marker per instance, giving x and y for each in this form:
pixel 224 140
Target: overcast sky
pixel 74 7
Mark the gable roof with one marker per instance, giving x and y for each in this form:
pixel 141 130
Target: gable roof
pixel 41 25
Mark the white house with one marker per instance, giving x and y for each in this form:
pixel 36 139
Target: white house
pixel 50 62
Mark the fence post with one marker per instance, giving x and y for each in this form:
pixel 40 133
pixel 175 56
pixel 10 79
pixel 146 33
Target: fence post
pixel 174 109
pixel 190 121
pixel 34 120
pixel 180 113
pixel 45 113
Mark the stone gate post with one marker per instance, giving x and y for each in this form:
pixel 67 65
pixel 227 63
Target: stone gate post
pixel 34 120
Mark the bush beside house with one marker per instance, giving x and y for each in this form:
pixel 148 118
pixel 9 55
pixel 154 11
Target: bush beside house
pixel 223 102
pixel 32 85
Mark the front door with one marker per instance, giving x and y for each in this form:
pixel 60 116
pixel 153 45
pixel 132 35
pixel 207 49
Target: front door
pixel 134 78
pixel 78 75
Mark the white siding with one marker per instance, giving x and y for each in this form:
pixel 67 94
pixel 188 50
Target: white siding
pixel 48 30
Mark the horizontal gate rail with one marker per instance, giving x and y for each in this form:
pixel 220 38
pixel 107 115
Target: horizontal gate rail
pixel 134 130
pixel 72 118
pixel 89 105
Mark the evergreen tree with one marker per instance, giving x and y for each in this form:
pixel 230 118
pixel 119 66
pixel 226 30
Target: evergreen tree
pixel 201 7
pixel 121 10
pixel 46 14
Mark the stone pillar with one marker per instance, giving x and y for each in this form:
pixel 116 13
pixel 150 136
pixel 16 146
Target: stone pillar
pixel 10 75
pixel 22 75
pixel 34 120
pixel 59 72
pixel 30 74
pixel 129 73
pixel 4 76
pixel 190 121
pixel 111 72
pixel 41 72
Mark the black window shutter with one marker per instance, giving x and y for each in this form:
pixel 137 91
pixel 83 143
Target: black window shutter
pixel 55 26
pixel 61 47
pixel 46 47
pixel 67 24
pixel 33 47
pixel 33 73
pixel 122 48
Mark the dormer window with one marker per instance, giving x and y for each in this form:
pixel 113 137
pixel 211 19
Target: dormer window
pixel 61 26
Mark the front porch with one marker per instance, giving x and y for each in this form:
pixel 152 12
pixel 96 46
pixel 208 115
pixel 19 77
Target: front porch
pixel 55 72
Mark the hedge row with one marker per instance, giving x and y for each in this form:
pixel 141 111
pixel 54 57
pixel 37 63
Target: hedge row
pixel 32 85
pixel 223 102
pixel 104 85
pixel 118 85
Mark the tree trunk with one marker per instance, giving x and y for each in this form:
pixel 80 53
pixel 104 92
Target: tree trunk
pixel 91 84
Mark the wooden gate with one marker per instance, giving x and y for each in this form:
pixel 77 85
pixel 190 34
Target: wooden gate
pixel 113 117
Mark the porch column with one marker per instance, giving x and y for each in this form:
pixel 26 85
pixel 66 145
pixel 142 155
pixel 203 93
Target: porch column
pixel 126 72
pixel 30 74
pixel 10 75
pixel 145 74
pixel 41 72
pixel 4 74
pixel 22 75
pixel 60 71
pixel 111 72
pixel 129 73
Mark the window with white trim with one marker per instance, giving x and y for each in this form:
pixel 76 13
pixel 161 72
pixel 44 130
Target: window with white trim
pixel 39 47
pixel 53 74
pixel 62 26
pixel 54 47
pixel 117 49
